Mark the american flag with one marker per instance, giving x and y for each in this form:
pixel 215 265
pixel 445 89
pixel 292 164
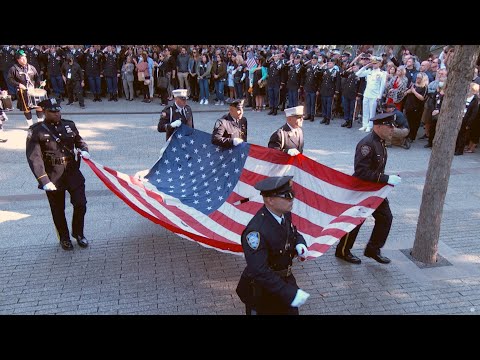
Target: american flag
pixel 205 193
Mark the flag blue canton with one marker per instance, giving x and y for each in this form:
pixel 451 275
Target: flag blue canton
pixel 196 172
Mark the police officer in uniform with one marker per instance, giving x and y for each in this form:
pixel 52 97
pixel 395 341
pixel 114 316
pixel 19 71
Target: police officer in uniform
pixel 231 129
pixel 370 161
pixel 275 83
pixel 270 241
pixel 7 59
pixel 33 58
pixel 176 114
pixel 289 138
pixel 51 154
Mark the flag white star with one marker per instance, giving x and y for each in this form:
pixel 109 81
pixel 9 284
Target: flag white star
pixel 209 200
pixel 234 160
pixel 214 171
pixel 184 146
pixel 229 185
pixel 199 160
pixel 201 168
pixel 207 192
pixel 194 188
pixel 181 177
pixel 195 202
pixel 224 166
pixel 174 149
pixel 208 155
pixel 221 157
pixel 177 159
pixel 189 164
pixel 157 172
pixel 216 179
pixel 195 151
pixel 220 198
pixel 209 208
pixel 170 179
pixel 192 141
pixel 205 183
pixel 159 180
pixel 226 174
pixel 169 171
pixel 204 145
pixel 219 188
pixel 217 149
pixel 179 136
pixel 182 184
pixel 195 195
pixel 191 173
pixel 230 151
pixel 237 171
pixel 166 161
pixel 204 176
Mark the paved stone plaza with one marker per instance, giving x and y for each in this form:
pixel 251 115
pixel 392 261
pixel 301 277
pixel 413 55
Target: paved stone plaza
pixel 134 266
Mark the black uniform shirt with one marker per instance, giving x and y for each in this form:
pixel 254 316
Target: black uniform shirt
pixel 371 158
pixel 172 113
pixel 226 129
pixel 269 247
pixel 51 162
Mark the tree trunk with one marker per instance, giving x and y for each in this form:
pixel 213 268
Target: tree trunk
pixel 460 73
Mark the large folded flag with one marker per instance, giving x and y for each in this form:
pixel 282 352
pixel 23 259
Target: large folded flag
pixel 205 193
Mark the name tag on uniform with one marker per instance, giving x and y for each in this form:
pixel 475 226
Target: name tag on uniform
pixel 67 127
pixel 69 75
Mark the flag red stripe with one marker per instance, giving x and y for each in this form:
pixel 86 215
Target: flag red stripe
pixel 310 166
pixel 220 244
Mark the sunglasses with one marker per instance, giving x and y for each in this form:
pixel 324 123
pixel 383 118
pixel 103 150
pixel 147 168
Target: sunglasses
pixel 287 195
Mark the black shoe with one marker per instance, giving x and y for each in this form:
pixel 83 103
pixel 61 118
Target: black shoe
pixel 349 258
pixel 458 153
pixel 327 122
pixel 377 257
pixel 345 124
pixel 3 140
pixel 427 146
pixel 66 244
pixel 349 125
pixel 81 240
pixel 70 103
pixel 274 112
pixel 323 121
pixel 270 112
pixel 423 137
pixel 82 106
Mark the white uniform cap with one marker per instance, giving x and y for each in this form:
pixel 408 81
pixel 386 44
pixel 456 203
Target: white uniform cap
pixel 294 111
pixel 180 93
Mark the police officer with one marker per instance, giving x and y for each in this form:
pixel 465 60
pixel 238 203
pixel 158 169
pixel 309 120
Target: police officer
pixel 7 59
pixel 231 129
pixel 289 138
pixel 275 83
pixel 270 242
pixel 176 114
pixel 51 147
pixel 350 94
pixel 370 161
pixel 72 75
pixel 54 68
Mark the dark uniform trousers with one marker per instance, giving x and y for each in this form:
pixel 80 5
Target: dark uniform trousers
pixel 383 222
pixel 267 285
pixel 57 206
pixel 370 161
pixel 52 161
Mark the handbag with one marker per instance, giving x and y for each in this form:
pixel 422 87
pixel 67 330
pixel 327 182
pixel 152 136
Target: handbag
pixel 162 82
pixel 141 76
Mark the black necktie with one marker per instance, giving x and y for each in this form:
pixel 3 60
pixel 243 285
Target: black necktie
pixel 283 222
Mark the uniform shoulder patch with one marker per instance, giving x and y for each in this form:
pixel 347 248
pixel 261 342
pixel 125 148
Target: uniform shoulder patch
pixel 253 239
pixel 365 150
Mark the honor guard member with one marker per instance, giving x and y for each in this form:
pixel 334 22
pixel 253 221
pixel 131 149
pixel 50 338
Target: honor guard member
pixel 51 154
pixel 370 161
pixel 329 89
pixel 231 129
pixel 93 68
pixel 111 71
pixel 310 83
pixel 176 114
pixel 23 76
pixel 294 77
pixel 72 74
pixel 289 138
pixel 270 241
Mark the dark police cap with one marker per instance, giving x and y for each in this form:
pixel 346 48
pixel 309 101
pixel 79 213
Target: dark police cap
pixel 237 103
pixel 315 57
pixel 384 119
pixel 19 54
pixel 274 185
pixel 50 104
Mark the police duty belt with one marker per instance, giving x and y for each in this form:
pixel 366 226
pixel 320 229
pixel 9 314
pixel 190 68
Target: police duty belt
pixel 59 141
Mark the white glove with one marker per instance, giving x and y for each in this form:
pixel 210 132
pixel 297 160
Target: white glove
pixel 176 123
pixel 293 152
pixel 237 141
pixel 140 175
pixel 301 250
pixel 85 154
pixel 394 180
pixel 300 298
pixel 49 187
